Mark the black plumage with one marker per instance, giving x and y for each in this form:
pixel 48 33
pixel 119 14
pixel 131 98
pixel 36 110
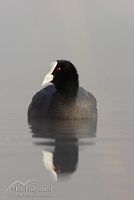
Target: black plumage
pixel 65 99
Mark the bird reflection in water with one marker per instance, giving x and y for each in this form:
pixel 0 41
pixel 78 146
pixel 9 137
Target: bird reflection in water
pixel 60 140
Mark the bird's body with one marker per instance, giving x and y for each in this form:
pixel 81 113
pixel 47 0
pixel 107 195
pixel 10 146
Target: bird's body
pixel 65 99
pixel 48 103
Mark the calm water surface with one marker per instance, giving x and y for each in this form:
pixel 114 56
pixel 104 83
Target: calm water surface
pixel 79 160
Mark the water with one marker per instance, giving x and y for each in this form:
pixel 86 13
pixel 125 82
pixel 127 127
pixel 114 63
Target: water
pixel 97 161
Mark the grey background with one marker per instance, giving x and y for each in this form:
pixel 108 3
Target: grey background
pixel 98 37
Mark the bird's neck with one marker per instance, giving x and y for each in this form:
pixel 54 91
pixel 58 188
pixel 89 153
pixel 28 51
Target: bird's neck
pixel 68 90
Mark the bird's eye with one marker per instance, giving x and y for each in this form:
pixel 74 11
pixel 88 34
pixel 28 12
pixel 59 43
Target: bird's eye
pixel 58 69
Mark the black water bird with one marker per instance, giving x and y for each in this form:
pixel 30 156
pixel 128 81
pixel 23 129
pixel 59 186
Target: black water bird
pixel 64 99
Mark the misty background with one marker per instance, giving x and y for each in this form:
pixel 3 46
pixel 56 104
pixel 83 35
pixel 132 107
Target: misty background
pixel 98 38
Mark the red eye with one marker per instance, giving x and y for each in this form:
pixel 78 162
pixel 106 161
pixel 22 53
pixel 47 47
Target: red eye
pixel 58 69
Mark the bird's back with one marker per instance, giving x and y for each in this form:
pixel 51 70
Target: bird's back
pixel 48 103
pixel 41 102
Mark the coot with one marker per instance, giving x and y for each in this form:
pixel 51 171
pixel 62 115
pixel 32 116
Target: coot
pixel 64 99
